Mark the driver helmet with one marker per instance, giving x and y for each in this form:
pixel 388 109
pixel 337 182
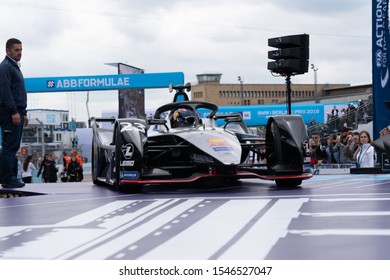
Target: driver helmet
pixel 181 117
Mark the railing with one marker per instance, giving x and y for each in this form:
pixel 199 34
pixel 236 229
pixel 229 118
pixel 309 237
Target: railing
pixel 360 115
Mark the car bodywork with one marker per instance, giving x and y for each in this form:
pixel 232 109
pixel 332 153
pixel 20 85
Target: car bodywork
pixel 196 149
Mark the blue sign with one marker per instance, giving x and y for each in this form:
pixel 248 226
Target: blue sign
pixel 258 115
pixel 72 125
pixel 51 118
pixel 103 82
pixel 380 65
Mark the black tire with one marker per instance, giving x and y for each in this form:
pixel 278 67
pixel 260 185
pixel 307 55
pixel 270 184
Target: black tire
pixel 94 162
pixel 288 183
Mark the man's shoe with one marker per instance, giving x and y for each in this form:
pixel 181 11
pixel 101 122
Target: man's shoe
pixel 13 185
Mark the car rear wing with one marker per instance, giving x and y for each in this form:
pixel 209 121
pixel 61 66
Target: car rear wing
pixel 94 121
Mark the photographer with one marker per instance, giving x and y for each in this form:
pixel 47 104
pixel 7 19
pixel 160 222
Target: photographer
pixel 344 139
pixel 332 149
pixel 353 145
pixel 318 150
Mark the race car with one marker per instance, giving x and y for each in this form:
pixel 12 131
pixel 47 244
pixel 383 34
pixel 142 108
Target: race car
pixel 186 143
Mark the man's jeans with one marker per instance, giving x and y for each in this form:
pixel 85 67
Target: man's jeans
pixel 11 138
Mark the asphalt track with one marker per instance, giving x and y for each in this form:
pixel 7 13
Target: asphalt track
pixel 330 217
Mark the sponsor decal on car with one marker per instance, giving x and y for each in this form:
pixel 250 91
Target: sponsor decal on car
pixel 218 147
pixel 215 140
pixel 130 175
pixel 128 126
pixel 127 150
pixel 222 148
pixel 127 163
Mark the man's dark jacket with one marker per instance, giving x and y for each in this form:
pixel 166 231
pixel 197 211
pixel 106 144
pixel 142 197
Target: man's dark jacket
pixel 13 95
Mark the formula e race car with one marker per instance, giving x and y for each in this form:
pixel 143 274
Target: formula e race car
pixel 186 143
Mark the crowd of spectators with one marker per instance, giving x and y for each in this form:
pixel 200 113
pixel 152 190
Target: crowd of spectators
pixel 338 142
pixel 334 148
pixel 349 116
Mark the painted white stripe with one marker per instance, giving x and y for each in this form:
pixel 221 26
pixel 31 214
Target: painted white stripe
pixel 348 199
pixel 336 183
pixel 5 231
pixel 210 233
pixel 60 240
pixel 111 247
pixel 373 184
pixel 94 214
pixel 347 214
pixel 348 232
pixel 339 184
pixel 260 239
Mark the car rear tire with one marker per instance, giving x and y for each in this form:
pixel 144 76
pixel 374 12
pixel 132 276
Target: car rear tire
pixel 94 162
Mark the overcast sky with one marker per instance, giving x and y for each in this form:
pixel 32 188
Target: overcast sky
pixel 71 38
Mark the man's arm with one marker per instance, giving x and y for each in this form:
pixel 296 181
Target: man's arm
pixel 6 96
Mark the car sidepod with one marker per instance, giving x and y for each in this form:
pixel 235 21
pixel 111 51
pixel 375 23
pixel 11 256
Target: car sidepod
pixel 223 146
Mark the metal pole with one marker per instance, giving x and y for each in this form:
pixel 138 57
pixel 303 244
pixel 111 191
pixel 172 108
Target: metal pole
pixel 241 90
pixel 288 93
pixel 43 137
pixel 315 69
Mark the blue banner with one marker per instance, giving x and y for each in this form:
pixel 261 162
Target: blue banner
pixel 258 115
pixel 103 82
pixel 380 65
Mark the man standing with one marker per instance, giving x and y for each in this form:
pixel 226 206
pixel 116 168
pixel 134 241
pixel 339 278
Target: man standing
pixel 79 160
pixel 13 104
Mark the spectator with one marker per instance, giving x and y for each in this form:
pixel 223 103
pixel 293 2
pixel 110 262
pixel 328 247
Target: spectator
pixel 49 174
pixel 360 110
pixel 312 122
pixel 332 150
pixel 13 103
pixel 74 170
pixel 318 149
pixel 342 122
pixel 335 118
pixel 344 135
pixel 65 161
pixel 330 123
pixel 42 166
pixel 19 172
pixel 80 162
pixel 335 112
pixel 365 155
pixel 27 169
pixel 353 144
pixel 351 114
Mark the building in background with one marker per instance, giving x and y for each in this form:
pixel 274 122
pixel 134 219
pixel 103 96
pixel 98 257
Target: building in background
pixel 50 131
pixel 210 89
